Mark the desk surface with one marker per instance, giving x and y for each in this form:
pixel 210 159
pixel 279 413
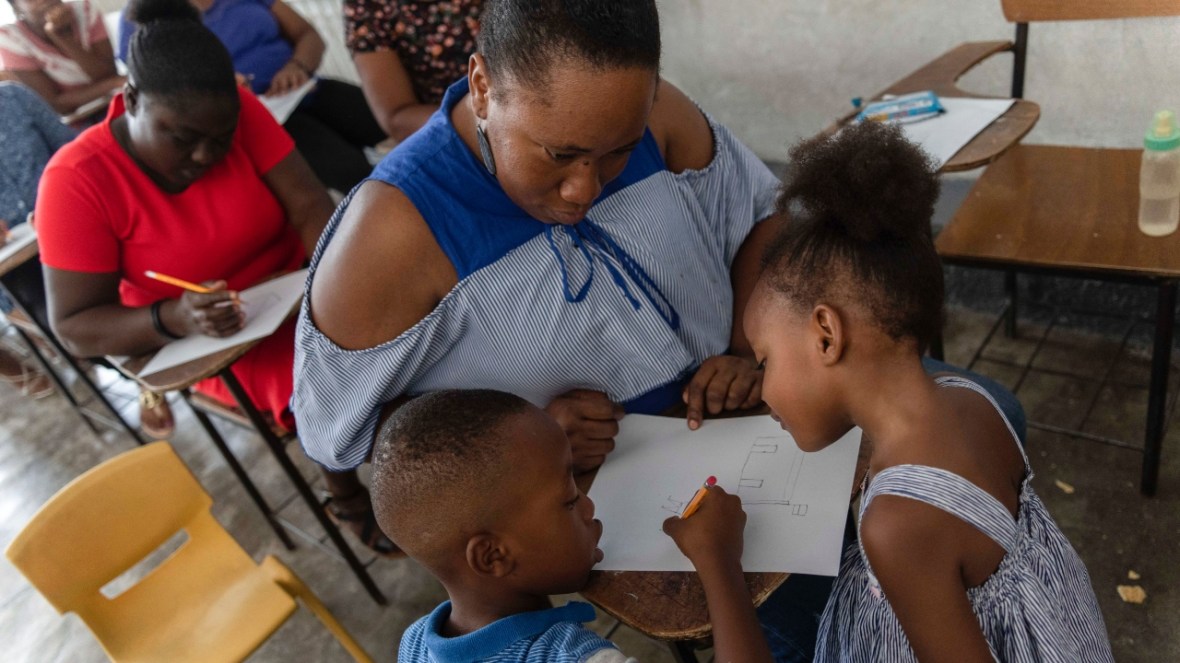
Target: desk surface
pixel 12 255
pixel 1061 209
pixel 185 375
pixel 940 76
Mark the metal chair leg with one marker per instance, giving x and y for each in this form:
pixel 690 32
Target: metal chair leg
pixel 239 471
pixel 682 652
pixel 1012 290
pixel 280 453
pixel 46 366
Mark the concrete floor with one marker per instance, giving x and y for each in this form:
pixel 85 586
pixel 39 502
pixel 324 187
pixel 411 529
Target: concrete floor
pixel 1068 373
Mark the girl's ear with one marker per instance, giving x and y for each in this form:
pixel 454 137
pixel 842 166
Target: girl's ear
pixel 488 556
pixel 828 329
pixel 130 98
pixel 480 84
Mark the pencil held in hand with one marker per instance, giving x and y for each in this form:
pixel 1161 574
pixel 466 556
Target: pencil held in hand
pixel 179 283
pixel 695 502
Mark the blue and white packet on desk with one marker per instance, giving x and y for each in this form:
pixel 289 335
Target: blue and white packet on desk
pixel 906 108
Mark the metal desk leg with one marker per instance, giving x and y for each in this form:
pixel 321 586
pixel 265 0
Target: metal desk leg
pixel 280 454
pixel 1012 289
pixel 57 381
pixel 239 471
pixel 1157 398
pixel 683 652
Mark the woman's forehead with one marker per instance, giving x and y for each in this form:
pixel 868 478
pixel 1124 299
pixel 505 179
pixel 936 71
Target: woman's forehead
pixel 583 107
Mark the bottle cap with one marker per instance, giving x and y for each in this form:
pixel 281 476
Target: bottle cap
pixel 1163 134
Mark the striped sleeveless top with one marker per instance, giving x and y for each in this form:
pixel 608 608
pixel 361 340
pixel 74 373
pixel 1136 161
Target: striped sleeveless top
pixel 1038 605
pixel 628 301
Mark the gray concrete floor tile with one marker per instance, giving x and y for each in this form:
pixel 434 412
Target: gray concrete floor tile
pixel 1057 400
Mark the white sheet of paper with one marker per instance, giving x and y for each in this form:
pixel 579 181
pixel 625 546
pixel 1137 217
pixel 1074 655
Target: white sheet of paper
pixel 944 135
pixel 281 106
pixel 266 305
pixel 796 503
pixel 18 238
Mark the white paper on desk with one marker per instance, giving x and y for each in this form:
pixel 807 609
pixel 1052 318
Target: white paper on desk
pixel 18 238
pixel 282 105
pixel 943 135
pixel 266 305
pixel 796 503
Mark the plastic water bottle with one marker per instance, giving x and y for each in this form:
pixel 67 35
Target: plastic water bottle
pixel 1159 177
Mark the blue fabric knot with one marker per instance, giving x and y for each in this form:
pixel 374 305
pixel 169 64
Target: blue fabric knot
pixel 593 242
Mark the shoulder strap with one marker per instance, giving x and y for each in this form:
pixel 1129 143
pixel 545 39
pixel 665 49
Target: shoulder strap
pixel 959 381
pixel 951 493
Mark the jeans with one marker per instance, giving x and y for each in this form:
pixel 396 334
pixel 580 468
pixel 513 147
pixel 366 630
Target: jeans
pixel 331 128
pixel 790 616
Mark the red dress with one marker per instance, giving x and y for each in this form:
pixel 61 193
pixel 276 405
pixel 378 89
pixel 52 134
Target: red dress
pixel 97 212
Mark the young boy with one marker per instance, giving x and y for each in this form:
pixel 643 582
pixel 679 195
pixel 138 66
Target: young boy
pixel 478 487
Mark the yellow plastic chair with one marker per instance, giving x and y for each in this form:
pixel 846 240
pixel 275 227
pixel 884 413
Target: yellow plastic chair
pixel 208 601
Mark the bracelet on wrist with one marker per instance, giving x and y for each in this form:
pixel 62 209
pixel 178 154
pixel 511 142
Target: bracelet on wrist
pixel 158 323
pixel 307 70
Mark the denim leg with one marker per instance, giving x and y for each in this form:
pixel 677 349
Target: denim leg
pixel 790 616
pixel 1006 399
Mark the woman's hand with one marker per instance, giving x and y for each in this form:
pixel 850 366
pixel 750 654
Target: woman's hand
pixel 61 25
pixel 291 76
pixel 724 382
pixel 218 313
pixel 712 537
pixel 590 421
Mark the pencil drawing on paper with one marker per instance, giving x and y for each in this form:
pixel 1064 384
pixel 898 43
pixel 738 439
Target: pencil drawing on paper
pixel 771 473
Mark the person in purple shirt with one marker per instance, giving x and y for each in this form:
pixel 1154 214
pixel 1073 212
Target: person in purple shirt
pixel 277 51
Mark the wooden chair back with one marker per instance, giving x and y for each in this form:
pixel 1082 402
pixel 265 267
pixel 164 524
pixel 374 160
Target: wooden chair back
pixel 1028 11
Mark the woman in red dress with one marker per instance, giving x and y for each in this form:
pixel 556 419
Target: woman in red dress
pixel 189 175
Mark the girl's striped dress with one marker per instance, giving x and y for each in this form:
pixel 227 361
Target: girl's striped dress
pixel 1037 606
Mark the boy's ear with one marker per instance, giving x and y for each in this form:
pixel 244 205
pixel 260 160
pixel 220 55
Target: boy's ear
pixel 488 556
pixel 828 329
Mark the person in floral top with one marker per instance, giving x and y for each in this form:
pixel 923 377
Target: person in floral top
pixel 407 53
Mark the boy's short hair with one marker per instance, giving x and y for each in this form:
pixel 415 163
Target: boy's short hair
pixel 435 461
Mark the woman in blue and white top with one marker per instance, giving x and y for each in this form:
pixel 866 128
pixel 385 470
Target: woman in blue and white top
pixel 569 228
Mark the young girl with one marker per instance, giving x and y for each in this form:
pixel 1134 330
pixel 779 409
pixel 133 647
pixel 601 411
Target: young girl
pixel 958 559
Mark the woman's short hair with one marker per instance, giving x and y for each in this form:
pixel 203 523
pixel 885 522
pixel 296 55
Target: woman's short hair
pixel 521 39
pixel 173 53
pixel 859 205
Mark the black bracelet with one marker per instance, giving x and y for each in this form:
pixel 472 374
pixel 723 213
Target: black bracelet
pixel 159 324
pixel 307 70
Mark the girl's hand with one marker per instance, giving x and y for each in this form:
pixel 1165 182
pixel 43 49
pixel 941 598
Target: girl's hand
pixel 590 421
pixel 286 79
pixel 218 313
pixel 711 537
pixel 724 382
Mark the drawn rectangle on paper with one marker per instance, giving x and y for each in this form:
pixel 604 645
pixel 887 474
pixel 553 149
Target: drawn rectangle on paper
pixel 796 503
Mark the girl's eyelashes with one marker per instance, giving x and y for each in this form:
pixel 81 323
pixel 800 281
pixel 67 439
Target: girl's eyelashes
pixel 761 365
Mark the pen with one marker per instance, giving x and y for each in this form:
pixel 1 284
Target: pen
pixel 695 502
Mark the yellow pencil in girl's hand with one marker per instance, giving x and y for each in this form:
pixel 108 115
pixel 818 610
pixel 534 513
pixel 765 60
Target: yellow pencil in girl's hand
pixel 695 502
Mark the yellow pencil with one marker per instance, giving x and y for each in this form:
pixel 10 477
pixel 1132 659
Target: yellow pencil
pixel 179 283
pixel 695 502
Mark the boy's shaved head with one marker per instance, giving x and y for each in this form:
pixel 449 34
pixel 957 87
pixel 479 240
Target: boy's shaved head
pixel 434 462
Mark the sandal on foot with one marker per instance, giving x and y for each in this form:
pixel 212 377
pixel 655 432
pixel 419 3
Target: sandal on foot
pixel 363 524
pixel 30 381
pixel 155 416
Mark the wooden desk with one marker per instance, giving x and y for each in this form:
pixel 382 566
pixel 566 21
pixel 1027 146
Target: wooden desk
pixel 666 605
pixel 941 76
pixel 183 377
pixel 1013 218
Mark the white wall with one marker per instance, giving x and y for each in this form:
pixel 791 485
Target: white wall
pixel 777 70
